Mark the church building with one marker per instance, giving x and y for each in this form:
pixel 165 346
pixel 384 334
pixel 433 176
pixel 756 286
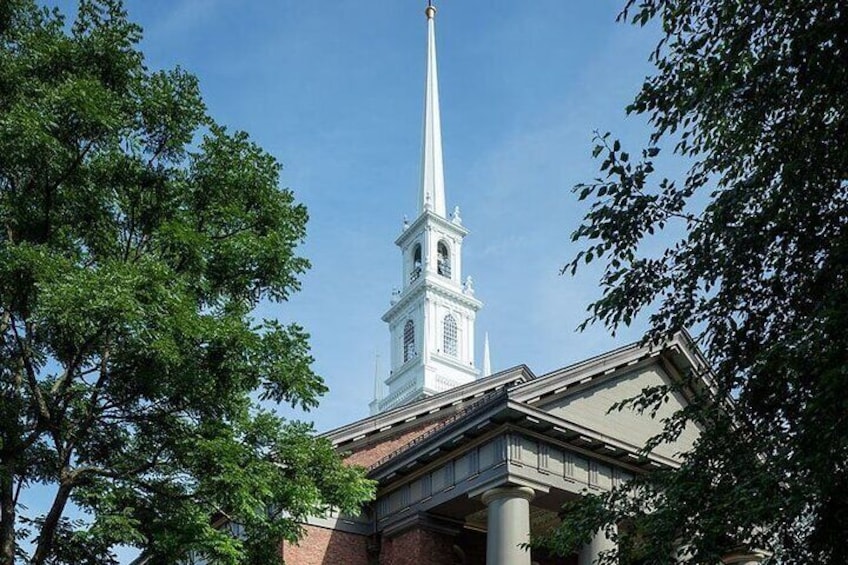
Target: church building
pixel 469 464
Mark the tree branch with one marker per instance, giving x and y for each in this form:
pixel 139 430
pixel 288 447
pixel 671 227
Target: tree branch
pixel 128 474
pixel 162 146
pixel 668 213
pixel 43 410
pixel 60 387
pixel 77 162
pixel 91 406
pixel 7 515
pixel 51 521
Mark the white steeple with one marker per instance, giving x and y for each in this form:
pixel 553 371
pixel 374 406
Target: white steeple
pixel 432 167
pixel 487 360
pixel 431 318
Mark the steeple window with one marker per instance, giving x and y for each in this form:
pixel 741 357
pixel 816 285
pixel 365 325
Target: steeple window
pixel 416 264
pixel 449 333
pixel 409 341
pixel 443 264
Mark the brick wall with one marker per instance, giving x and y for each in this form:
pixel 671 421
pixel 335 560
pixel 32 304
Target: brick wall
pixel 322 546
pixel 418 547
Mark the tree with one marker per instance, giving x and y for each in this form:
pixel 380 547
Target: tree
pixel 752 95
pixel 137 237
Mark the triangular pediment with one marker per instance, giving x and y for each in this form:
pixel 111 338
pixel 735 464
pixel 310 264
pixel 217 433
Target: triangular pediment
pixel 592 407
pixel 568 407
pixel 586 394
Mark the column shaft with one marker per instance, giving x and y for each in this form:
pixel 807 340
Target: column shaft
pixel 508 525
pixel 590 552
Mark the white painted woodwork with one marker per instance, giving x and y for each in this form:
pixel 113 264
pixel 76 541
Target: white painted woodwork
pixel 432 284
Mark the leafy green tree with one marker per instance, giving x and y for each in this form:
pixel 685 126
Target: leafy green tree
pixel 137 237
pixel 754 97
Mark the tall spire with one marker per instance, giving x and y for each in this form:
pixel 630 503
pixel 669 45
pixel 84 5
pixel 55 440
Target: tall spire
pixel 432 195
pixel 487 360
pixel 431 319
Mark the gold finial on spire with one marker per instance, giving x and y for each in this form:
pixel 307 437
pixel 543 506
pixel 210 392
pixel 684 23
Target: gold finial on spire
pixel 430 10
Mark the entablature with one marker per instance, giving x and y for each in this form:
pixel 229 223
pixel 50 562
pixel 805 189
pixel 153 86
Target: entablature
pixel 446 225
pixel 426 285
pixel 506 455
pixel 347 437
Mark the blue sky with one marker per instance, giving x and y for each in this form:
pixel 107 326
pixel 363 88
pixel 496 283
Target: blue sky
pixel 335 91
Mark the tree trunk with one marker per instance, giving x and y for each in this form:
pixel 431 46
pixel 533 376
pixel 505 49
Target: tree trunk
pixel 7 515
pixel 48 529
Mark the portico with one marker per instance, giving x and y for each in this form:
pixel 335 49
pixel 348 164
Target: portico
pixel 503 465
pixel 468 475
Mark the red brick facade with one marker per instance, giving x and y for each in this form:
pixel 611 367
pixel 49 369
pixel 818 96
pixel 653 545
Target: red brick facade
pixel 321 546
pixel 418 547
pixel 415 546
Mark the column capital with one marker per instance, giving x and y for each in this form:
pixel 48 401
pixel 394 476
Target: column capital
pixel 526 493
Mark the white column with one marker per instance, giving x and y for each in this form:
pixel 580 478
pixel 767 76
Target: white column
pixel 508 525
pixel 590 552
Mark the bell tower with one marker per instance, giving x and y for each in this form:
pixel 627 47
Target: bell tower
pixel 431 318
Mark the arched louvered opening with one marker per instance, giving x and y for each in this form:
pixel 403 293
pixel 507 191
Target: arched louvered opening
pixel 443 265
pixel 416 263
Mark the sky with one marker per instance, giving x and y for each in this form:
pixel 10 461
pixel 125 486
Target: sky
pixel 334 90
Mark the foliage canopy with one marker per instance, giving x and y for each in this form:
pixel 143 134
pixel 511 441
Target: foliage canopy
pixel 753 95
pixel 137 237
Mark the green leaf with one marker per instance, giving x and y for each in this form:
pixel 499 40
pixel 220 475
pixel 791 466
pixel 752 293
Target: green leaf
pixel 753 261
pixel 140 238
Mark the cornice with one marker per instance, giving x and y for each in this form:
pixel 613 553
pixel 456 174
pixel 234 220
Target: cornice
pixel 429 217
pixel 519 406
pixel 429 283
pixel 679 352
pixel 506 414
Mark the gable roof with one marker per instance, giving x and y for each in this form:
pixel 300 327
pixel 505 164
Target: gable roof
pixel 512 398
pixel 517 403
pixel 679 354
pixel 439 406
